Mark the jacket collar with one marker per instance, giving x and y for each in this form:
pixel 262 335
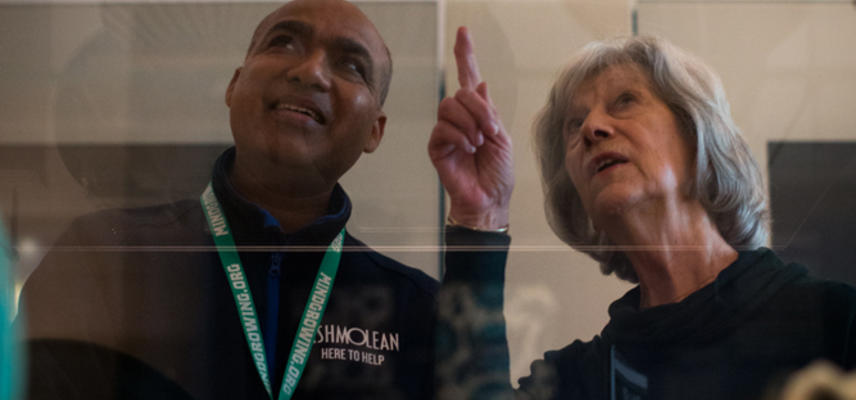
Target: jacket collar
pixel 255 225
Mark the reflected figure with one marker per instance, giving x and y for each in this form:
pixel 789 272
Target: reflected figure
pixel 644 170
pixel 248 292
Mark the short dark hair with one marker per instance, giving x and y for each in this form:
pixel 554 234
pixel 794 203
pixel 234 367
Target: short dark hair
pixel 385 72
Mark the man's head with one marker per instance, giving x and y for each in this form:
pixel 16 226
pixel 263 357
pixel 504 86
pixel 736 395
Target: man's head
pixel 309 95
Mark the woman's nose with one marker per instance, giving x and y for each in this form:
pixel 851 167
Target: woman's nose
pixel 597 127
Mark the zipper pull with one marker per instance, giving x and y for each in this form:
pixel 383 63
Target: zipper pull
pixel 275 262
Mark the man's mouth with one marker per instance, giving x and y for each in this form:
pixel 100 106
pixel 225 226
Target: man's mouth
pixel 301 110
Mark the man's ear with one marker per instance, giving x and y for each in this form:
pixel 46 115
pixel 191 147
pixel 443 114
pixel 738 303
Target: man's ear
pixel 376 134
pixel 231 87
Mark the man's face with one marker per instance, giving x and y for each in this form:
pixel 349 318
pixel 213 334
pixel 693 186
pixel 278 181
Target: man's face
pixel 307 98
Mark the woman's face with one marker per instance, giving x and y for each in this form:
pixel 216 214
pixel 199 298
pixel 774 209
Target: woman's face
pixel 623 145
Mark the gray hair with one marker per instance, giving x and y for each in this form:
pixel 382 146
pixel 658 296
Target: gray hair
pixel 727 179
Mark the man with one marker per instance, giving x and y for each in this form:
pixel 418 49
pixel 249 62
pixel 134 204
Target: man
pixel 155 302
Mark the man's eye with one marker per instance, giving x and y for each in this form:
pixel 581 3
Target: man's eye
pixel 354 66
pixel 282 41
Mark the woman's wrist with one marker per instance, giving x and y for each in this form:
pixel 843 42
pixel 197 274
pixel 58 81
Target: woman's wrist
pixel 495 221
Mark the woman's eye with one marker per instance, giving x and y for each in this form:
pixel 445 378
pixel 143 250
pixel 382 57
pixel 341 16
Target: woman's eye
pixel 625 99
pixel 572 128
pixel 572 125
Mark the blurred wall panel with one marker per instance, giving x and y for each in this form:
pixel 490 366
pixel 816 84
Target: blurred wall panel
pixel 789 68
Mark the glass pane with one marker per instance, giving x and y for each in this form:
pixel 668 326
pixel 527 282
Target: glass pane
pixel 120 104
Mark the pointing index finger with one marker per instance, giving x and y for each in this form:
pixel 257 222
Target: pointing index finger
pixel 465 58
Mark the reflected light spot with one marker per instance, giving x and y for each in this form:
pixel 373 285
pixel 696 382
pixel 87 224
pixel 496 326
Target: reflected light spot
pixel 27 247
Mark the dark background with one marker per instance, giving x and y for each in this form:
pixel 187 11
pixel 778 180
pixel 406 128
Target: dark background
pixel 813 201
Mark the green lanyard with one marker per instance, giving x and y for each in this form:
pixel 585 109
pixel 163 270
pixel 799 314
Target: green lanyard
pixel 315 305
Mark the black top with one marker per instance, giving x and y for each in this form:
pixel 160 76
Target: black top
pixel 135 303
pixel 737 338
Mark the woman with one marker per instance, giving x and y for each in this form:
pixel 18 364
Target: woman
pixel 644 170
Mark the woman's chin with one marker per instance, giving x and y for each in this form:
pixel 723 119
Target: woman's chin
pixel 616 202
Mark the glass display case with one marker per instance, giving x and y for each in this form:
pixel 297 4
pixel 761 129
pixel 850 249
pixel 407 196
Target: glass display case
pixel 110 104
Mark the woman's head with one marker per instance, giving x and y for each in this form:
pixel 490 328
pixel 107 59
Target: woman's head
pixel 721 173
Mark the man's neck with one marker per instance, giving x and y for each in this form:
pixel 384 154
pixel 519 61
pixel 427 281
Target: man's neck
pixel 293 202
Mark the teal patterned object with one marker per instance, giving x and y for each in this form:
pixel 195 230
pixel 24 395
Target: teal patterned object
pixel 8 338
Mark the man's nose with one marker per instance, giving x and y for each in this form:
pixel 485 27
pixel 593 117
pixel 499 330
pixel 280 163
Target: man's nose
pixel 311 71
